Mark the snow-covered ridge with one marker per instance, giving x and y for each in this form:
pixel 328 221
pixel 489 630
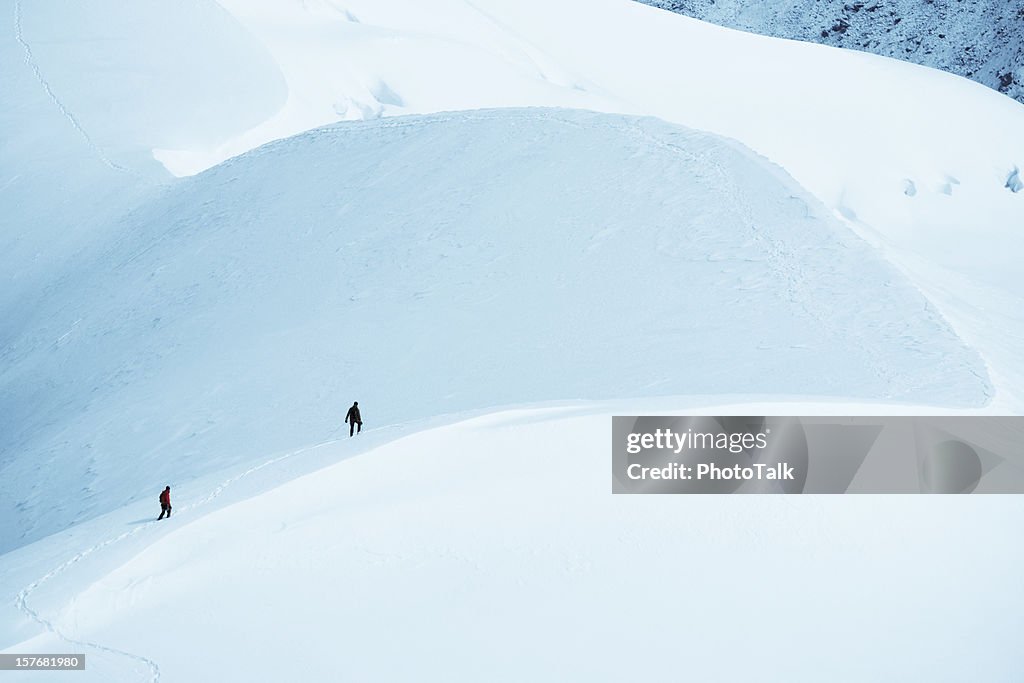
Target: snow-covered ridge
pixel 899 151
pixel 512 511
pixel 893 149
pixel 852 128
pixel 922 160
pixel 209 331
pixel 403 263
pixel 396 550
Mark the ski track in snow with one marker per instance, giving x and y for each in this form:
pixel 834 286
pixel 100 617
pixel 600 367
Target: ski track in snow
pixel 154 668
pixel 30 61
pixel 24 608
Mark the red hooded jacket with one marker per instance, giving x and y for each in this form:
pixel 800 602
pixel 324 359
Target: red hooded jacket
pixel 165 497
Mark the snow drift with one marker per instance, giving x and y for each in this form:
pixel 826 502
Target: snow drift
pixel 852 128
pixel 404 264
pixel 915 160
pixel 208 332
pixel 492 549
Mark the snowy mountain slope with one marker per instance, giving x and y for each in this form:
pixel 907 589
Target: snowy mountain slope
pixel 209 332
pixel 367 60
pixel 923 163
pixel 145 74
pixel 982 40
pixel 926 161
pixel 404 264
pixel 87 90
pixel 50 175
pixel 852 128
pixel 485 550
pixel 841 123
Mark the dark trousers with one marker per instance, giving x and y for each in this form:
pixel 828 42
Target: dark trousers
pixel 164 509
pixel 354 428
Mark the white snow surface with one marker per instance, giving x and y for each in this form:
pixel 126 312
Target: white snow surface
pixel 853 246
pixel 492 549
pixel 405 264
pixel 918 161
pixel 853 128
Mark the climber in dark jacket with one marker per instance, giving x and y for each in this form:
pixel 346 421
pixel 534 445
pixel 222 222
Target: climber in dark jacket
pixel 165 503
pixel 352 418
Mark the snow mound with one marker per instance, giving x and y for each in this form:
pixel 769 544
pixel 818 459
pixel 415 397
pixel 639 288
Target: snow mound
pixel 407 264
pixel 917 161
pixel 492 550
pixel 233 75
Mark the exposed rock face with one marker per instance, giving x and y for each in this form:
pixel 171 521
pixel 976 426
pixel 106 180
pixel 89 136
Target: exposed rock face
pixel 980 39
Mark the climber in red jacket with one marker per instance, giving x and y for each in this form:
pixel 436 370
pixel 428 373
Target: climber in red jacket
pixel 165 503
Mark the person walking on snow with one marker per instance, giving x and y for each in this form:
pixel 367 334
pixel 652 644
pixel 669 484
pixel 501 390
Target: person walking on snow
pixel 353 419
pixel 165 503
